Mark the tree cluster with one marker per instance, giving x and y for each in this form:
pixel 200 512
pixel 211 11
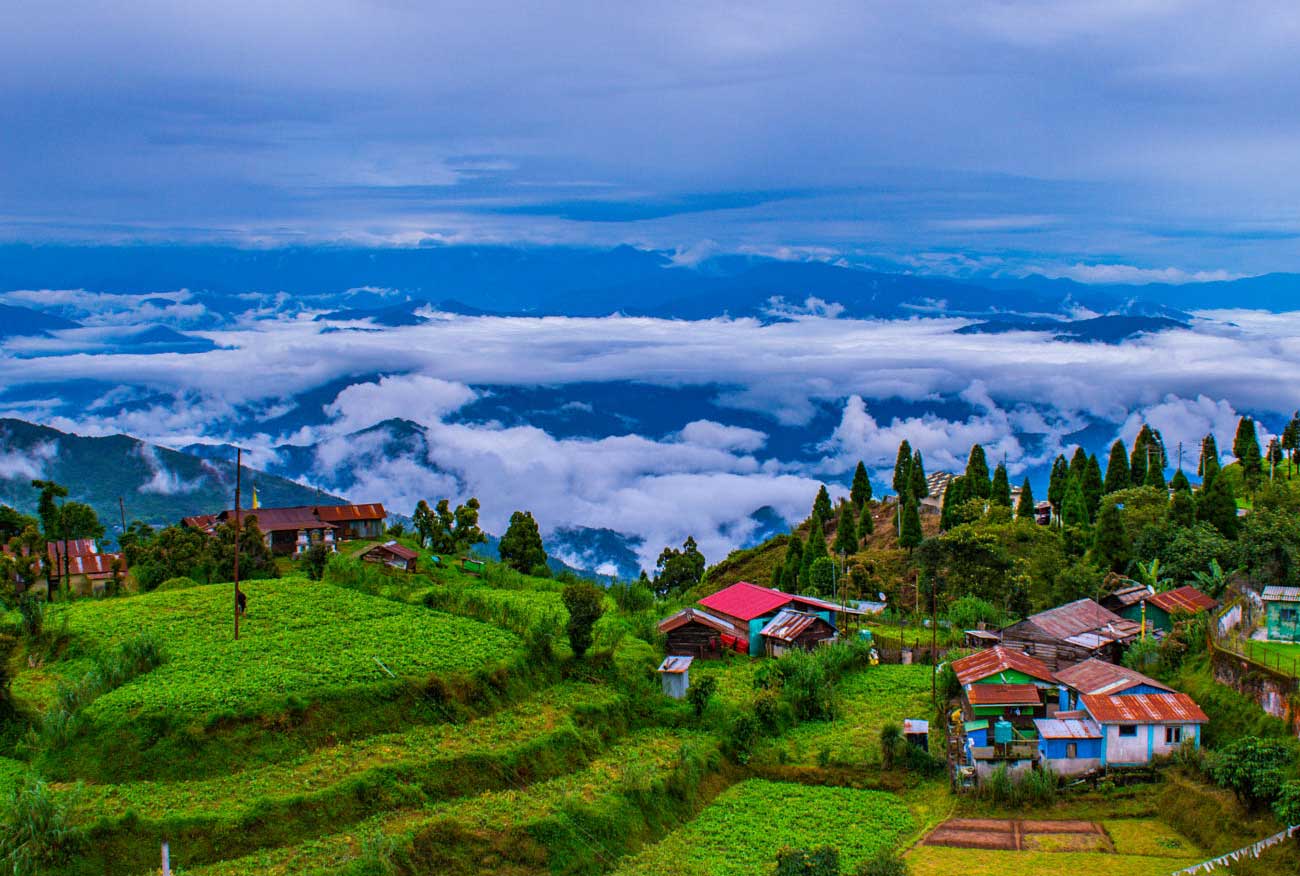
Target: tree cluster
pixel 444 531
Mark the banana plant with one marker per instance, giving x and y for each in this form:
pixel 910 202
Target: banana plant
pixel 1148 574
pixel 1214 581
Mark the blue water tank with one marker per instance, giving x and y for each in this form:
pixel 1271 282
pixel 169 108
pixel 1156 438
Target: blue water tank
pixel 865 635
pixel 1002 732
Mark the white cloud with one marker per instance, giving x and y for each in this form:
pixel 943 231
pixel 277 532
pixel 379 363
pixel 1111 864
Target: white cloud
pixel 414 397
pixel 707 433
pixel 1102 273
pixel 27 465
pixel 163 481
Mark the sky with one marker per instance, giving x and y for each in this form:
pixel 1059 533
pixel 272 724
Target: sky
pixel 1098 139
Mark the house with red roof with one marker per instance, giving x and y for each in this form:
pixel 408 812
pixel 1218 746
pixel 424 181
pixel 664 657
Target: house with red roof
pixel 1158 609
pixel 1138 728
pixel 736 617
pixel 292 530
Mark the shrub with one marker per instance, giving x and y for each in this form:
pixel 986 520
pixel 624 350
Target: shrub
pixel 823 861
pixel 885 862
pixel 36 832
pixel 1253 769
pixel 180 583
pixel 700 692
pixel 891 735
pixel 314 560
pixel 632 596
pixel 1287 805
pixel 741 736
pixel 585 603
pixel 967 612
pixel 32 610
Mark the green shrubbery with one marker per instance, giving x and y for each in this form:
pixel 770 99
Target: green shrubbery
pixel 1033 788
pixel 36 833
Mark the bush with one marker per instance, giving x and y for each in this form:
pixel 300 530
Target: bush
pixel 314 560
pixel 36 833
pixel 1035 788
pixel 700 693
pixel 180 583
pixel 632 596
pixel 1287 805
pixel 585 603
pixel 824 861
pixel 967 613
pixel 1254 769
pixel 891 736
pixel 741 736
pixel 885 862
pixel 32 610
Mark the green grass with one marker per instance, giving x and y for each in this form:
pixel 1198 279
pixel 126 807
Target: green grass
pixel 1149 838
pixel 299 638
pixel 869 699
pixel 1283 655
pixel 740 833
pixel 937 861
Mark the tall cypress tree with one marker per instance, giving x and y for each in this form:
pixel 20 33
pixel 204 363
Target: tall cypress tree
pixel 1155 475
pixel 1057 484
pixel 846 531
pixel 954 495
pixel 917 482
pixel 1092 486
pixel 1025 508
pixel 1118 476
pixel 1209 461
pixel 1074 510
pixel 978 485
pixel 866 523
pixel 1179 483
pixel 822 505
pixel 813 551
pixel 793 562
pixel 1000 490
pixel 902 469
pixel 1078 464
pixel 1182 508
pixel 1110 548
pixel 909 535
pixel 1245 446
pixel 1217 505
pixel 1143 456
pixel 1291 438
pixel 860 493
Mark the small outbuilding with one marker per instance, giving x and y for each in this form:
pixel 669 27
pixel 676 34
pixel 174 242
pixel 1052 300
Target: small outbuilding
pixel 1070 742
pixel 1282 609
pixel 675 675
pixel 794 629
pixel 390 553
pixel 692 632
pixel 1160 608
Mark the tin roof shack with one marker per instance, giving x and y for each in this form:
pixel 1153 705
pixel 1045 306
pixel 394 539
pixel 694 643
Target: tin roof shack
pixel 1071 743
pixel 1282 610
pixel 1137 728
pixel 1099 678
pixel 390 553
pixel 793 629
pixel 750 608
pixel 88 570
pixel 695 633
pixel 1128 594
pixel 675 675
pixel 1002 683
pixel 354 521
pixel 1070 633
pixel 1163 606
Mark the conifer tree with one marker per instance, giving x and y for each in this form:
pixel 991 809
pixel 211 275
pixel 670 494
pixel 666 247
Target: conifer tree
pixel 1092 486
pixel 846 531
pixel 954 495
pixel 1209 461
pixel 822 504
pixel 909 535
pixel 1182 508
pixel 918 484
pixel 1074 510
pixel 1217 505
pixel 1155 475
pixel 1078 464
pixel 860 493
pixel 1110 549
pixel 813 551
pixel 1145 448
pixel 793 562
pixel 1245 446
pixel 521 547
pixel 1291 438
pixel 866 523
pixel 1179 483
pixel 1274 456
pixel 1000 490
pixel 1025 508
pixel 1057 484
pixel 1118 476
pixel 902 469
pixel 978 485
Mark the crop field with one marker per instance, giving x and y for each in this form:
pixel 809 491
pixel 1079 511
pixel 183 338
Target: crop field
pixel 869 699
pixel 298 638
pixel 635 763
pixel 741 831
pixel 1142 847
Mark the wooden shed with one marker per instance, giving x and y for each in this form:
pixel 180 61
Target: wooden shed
pixel 1070 633
pixel 675 674
pixel 695 633
pixel 391 553
pixel 792 629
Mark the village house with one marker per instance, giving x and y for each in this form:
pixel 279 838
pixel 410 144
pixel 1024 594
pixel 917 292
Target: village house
pixel 1071 742
pixel 390 553
pixel 1138 728
pixel 1070 633
pixel 735 619
pixel 88 570
pixel 1003 691
pixel 1161 607
pixel 1095 677
pixel 1282 613
pixel 292 530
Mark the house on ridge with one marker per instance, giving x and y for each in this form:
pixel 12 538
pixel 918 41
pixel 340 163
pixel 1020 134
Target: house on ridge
pixel 736 617
pixel 1163 605
pixel 292 530
pixel 1071 633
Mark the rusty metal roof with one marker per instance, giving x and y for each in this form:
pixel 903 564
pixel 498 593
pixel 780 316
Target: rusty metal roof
pixel 1078 617
pixel 991 661
pixel 1127 596
pixel 92 565
pixel 790 624
pixel 1004 695
pixel 675 665
pixel 1168 708
pixel 694 615
pixel 74 547
pixel 1067 728
pixel 1275 593
pixel 1185 599
pixel 347 513
pixel 397 550
pixel 1097 677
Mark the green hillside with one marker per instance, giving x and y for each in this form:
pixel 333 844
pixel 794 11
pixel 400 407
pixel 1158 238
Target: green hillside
pixel 159 486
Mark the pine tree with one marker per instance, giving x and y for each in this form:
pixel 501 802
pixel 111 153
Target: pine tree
pixel 1074 510
pixel 954 495
pixel 822 504
pixel 1179 483
pixel 793 562
pixel 1137 463
pixel 1026 508
pixel 521 546
pixel 1291 438
pixel 919 485
pixel 1110 549
pixel 1217 506
pixel 1155 475
pixel 1057 484
pixel 1000 490
pixel 860 493
pixel 1078 464
pixel 1274 456
pixel 1118 476
pixel 813 551
pixel 909 535
pixel 1182 508
pixel 1245 446
pixel 1209 461
pixel 1092 486
pixel 846 532
pixel 866 523
pixel 977 474
pixel 902 469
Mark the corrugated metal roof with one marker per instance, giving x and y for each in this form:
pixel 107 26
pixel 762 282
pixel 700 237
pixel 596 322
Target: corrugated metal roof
pixel 915 725
pixel 1096 677
pixel 997 659
pixel 1074 618
pixel 674 665
pixel 397 550
pixel 1003 695
pixel 694 615
pixel 745 601
pixel 1276 593
pixel 1144 709
pixel 789 625
pixel 74 547
pixel 348 513
pixel 1127 596
pixel 1067 728
pixel 92 565
pixel 1185 599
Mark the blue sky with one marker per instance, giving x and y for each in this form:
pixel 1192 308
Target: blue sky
pixel 1107 140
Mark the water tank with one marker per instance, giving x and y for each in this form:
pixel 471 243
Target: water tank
pixel 865 635
pixel 1002 732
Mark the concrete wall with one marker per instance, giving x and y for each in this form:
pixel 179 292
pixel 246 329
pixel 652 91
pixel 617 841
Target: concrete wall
pixel 1148 743
pixel 1073 766
pixel 1275 693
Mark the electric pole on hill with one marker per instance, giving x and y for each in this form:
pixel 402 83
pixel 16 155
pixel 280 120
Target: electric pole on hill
pixel 239 464
pixel 121 507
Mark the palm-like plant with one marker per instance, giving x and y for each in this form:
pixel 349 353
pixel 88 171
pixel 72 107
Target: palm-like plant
pixel 1214 580
pixel 1148 574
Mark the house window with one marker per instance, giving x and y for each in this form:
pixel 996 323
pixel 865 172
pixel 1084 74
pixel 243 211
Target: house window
pixel 1071 750
pixel 1128 730
pixel 1173 735
pixel 1287 615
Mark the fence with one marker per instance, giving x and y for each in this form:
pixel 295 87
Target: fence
pixel 1229 633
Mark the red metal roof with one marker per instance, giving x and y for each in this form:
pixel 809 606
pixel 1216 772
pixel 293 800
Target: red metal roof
pixel 397 550
pixel 1170 708
pixel 1186 599
pixel 1096 677
pixel 747 601
pixel 92 565
pixel 997 659
pixel 1003 695
pixel 347 513
pixel 1074 618
pixel 75 547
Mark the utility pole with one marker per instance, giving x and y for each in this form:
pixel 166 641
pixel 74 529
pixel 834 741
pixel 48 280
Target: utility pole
pixel 121 507
pixel 239 464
